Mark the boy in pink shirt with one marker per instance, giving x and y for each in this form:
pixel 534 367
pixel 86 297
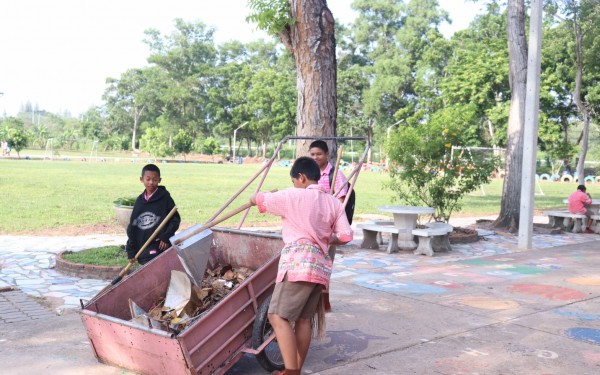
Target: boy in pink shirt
pixel 312 219
pixel 579 201
pixel 319 152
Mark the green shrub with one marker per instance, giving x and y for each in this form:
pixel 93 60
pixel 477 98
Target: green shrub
pixel 424 170
pixel 125 201
pixel 210 146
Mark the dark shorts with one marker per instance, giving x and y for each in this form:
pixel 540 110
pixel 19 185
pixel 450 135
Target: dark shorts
pixel 295 300
pixel 331 252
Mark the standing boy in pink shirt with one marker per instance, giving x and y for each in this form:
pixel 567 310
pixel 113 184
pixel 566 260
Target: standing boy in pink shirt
pixel 319 152
pixel 312 220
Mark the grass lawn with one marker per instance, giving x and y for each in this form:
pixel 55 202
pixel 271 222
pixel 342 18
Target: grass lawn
pixel 100 256
pixel 43 195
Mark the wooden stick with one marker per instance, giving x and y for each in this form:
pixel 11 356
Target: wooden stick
pixel 337 165
pixel 214 222
pixel 148 242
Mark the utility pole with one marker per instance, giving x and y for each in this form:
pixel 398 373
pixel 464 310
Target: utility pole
pixel 234 133
pixel 530 136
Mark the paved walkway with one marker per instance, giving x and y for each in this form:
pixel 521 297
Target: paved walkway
pixel 27 262
pixel 484 308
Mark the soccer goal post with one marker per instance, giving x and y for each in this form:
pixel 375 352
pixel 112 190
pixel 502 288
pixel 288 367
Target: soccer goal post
pixel 67 149
pixel 480 154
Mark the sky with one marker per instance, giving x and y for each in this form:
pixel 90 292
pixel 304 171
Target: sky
pixel 57 54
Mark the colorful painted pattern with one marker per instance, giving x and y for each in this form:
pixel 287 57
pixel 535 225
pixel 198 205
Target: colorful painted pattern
pixel 492 260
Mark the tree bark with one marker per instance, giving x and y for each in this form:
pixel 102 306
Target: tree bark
pixel 136 120
pixel 581 107
pixel 249 147
pixel 311 41
pixel 264 147
pixel 517 50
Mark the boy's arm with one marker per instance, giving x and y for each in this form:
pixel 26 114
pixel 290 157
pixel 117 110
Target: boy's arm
pixel 342 233
pixel 130 245
pixel 130 250
pixel 172 225
pixel 273 202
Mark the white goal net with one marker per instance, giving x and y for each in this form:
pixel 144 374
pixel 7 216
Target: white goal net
pixel 66 149
pixel 485 154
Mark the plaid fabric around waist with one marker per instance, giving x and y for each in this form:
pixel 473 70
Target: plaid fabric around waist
pixel 304 261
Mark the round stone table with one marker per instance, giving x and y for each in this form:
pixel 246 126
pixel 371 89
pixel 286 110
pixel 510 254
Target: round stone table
pixel 405 217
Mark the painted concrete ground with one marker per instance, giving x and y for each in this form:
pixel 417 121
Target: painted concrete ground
pixel 540 309
pixel 484 308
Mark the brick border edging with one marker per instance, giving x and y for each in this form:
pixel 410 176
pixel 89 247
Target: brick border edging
pixel 85 271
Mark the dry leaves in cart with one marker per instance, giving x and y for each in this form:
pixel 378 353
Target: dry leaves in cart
pixel 185 301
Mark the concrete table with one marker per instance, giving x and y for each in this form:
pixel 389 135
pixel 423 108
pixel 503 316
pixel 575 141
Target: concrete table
pixel 405 217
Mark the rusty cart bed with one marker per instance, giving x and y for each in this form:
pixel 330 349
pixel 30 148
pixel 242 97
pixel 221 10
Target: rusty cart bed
pixel 211 344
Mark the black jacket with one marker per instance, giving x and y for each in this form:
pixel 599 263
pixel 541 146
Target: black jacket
pixel 145 218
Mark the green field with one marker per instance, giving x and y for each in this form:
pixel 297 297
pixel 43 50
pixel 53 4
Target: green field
pixel 41 195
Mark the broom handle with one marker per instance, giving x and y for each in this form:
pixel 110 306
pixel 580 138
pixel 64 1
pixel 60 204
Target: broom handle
pixel 213 223
pixel 335 171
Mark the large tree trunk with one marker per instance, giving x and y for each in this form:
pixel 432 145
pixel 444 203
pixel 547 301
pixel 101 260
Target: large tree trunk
pixel 264 147
pixel 249 147
pixel 517 50
pixel 311 41
pixel 581 107
pixel 136 120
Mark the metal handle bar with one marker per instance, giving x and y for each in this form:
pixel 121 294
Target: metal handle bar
pixel 267 166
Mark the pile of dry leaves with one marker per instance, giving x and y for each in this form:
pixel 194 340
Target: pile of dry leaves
pixel 185 301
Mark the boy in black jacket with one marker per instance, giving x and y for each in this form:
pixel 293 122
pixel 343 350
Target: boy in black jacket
pixel 150 208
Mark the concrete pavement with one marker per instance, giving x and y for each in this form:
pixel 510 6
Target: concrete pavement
pixel 484 308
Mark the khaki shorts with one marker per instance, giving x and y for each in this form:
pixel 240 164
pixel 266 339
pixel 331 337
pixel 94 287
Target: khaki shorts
pixel 295 300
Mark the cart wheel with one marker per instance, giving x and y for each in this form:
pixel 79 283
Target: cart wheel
pixel 270 358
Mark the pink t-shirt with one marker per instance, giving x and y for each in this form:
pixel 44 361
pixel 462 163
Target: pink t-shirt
pixel 309 216
pixel 577 202
pixel 340 181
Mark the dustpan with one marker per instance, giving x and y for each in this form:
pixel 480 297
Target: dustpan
pixel 193 251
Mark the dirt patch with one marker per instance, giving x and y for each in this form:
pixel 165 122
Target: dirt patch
pixel 74 230
pixel 114 229
pixel 537 228
pixel 201 158
pixel 463 235
pixel 51 303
